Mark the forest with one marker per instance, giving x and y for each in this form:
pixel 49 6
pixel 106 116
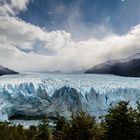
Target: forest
pixel 122 122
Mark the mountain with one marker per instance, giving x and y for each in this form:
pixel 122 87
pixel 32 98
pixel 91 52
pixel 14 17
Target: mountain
pixel 129 66
pixel 4 71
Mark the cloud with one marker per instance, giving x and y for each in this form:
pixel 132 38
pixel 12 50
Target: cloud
pixel 21 42
pixel 12 7
pixel 26 47
pixel 24 35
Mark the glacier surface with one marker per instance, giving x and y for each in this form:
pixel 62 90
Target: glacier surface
pixel 40 94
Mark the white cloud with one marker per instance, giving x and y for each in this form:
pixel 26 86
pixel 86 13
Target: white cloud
pixel 11 7
pixel 26 47
pixel 19 33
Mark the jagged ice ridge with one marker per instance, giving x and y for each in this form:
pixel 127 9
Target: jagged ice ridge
pixel 41 94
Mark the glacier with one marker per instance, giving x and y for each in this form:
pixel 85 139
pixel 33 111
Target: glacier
pixel 35 95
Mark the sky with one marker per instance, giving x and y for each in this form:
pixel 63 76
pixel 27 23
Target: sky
pixel 67 35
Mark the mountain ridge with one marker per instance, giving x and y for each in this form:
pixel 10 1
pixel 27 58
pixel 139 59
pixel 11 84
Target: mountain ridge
pixel 4 71
pixel 129 66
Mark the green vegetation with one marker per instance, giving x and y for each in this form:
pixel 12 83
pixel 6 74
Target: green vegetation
pixel 120 123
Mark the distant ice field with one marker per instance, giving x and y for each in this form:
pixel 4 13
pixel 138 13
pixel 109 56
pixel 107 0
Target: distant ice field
pixel 100 82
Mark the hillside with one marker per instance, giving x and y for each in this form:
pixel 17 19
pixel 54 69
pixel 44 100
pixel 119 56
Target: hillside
pixel 4 71
pixel 129 66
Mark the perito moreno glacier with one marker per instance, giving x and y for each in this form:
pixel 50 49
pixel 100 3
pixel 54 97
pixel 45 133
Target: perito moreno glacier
pixel 34 95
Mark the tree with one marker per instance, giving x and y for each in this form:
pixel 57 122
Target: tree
pixel 137 122
pixel 60 124
pixel 120 122
pixel 81 127
pixel 43 130
pixel 31 132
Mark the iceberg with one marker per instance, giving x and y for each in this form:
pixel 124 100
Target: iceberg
pixel 35 95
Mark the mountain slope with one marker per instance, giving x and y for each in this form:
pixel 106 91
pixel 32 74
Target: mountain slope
pixel 129 66
pixel 4 71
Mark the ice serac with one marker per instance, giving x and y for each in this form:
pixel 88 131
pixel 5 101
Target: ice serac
pixel 35 97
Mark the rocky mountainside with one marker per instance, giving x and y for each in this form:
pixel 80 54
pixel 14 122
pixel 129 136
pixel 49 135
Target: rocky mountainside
pixel 4 71
pixel 129 66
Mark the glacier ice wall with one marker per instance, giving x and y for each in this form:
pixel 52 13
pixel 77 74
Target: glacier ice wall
pixel 36 95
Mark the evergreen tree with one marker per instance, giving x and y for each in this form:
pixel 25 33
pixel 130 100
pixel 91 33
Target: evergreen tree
pixel 60 124
pixel 81 127
pixel 120 122
pixel 31 132
pixel 137 122
pixel 43 130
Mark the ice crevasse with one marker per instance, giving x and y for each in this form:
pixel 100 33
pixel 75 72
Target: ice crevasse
pixel 51 96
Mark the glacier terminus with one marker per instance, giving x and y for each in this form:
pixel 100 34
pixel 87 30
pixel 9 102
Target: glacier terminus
pixel 35 95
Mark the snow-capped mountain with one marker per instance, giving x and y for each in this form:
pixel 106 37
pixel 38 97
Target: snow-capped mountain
pixel 129 66
pixel 4 71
